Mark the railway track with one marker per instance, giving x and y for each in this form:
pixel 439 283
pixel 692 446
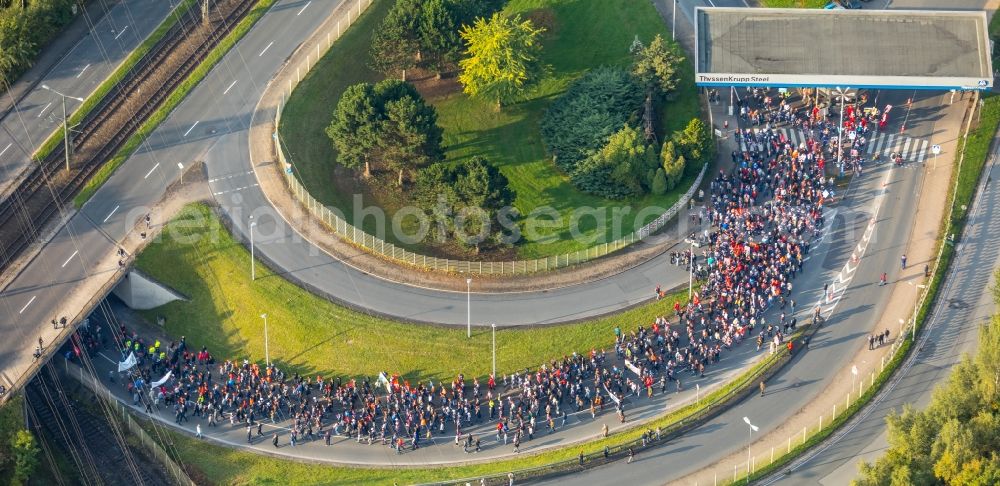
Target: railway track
pixel 83 436
pixel 49 187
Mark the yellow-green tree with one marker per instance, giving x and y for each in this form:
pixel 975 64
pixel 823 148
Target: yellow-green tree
pixel 502 58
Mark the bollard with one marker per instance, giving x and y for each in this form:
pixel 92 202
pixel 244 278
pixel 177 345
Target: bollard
pixel 789 445
pixel 772 455
pixel 803 435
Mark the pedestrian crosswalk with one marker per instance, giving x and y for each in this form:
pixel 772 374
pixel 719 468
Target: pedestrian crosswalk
pixel 883 144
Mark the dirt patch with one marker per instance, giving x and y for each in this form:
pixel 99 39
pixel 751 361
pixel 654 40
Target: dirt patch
pixel 544 18
pixel 431 86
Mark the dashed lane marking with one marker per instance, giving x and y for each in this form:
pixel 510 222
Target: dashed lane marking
pixel 26 305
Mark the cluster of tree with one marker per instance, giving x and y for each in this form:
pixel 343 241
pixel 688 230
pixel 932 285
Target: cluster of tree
pixel 629 166
pixel 425 33
pixel 583 118
pixel 26 26
pixel 956 439
pixel 470 200
pixel 589 131
pixel 386 125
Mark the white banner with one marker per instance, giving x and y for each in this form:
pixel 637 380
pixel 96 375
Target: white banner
pixel 612 395
pixel 632 367
pixel 162 380
pixel 382 379
pixel 128 363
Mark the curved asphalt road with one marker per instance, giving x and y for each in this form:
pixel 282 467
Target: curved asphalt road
pixel 211 125
pixel 831 349
pixel 966 303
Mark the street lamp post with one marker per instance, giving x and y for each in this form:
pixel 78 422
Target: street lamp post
pixel 267 353
pixel 253 263
pixel 65 120
pixel 468 307
pixel 494 326
pixel 673 20
pixel 753 428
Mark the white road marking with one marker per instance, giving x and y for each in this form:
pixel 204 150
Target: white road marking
pixel 112 212
pixel 83 70
pixel 26 305
pixel 310 3
pixel 68 259
pixel 230 87
pixel 192 128
pixel 265 49
pixel 5 149
pixel 230 176
pixel 40 113
pixel 122 32
pixel 151 170
pixel 234 190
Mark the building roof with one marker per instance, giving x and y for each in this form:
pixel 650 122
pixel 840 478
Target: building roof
pixel 815 47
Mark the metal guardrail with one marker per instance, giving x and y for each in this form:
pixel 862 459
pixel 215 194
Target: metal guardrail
pixel 373 244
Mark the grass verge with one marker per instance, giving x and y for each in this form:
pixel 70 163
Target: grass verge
pixel 175 98
pixel 196 255
pixel 975 152
pixel 111 81
pixel 581 35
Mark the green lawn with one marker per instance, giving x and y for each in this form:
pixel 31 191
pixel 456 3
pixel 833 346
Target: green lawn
pixel 197 256
pixel 584 34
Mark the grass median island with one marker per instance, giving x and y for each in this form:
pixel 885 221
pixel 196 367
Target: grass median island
pixel 196 255
pixel 581 35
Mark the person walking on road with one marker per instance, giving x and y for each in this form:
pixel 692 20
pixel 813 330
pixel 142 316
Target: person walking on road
pixel 631 455
pixel 762 387
pixel 902 260
pixel 882 279
pixel 274 441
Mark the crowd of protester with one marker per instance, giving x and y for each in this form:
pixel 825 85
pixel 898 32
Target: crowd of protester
pixel 762 215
